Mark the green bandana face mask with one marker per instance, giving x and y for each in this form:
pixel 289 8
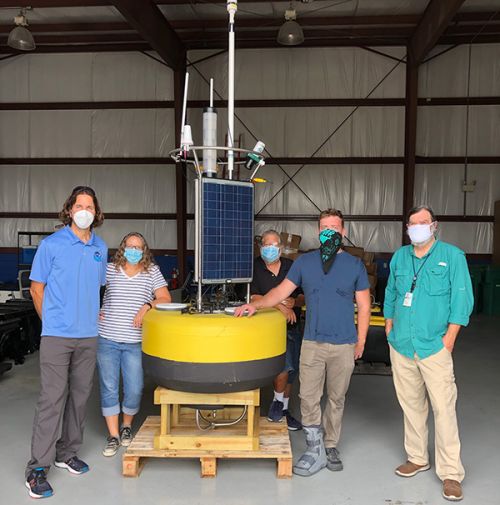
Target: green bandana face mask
pixel 330 243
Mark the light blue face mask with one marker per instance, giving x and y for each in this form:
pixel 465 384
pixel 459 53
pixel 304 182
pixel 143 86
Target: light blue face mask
pixel 133 256
pixel 270 253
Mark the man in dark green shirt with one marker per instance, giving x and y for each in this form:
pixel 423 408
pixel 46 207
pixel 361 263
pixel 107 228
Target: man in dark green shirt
pixel 427 300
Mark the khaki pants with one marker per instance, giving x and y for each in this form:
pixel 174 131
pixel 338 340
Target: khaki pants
pixel 319 362
pixel 413 378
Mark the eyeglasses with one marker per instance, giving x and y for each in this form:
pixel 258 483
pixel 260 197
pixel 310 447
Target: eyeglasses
pixel 135 247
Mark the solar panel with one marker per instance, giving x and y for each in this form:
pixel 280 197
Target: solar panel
pixel 227 231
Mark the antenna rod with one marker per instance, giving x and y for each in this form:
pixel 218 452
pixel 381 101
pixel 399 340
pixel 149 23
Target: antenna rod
pixel 184 103
pixel 232 7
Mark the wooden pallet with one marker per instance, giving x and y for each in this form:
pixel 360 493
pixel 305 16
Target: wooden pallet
pixel 274 443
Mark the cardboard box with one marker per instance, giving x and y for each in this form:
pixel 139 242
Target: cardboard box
pixel 290 241
pixel 355 251
pixel 292 254
pixel 372 279
pixel 368 257
pixel 256 245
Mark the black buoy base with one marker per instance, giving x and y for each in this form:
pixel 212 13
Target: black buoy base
pixel 213 377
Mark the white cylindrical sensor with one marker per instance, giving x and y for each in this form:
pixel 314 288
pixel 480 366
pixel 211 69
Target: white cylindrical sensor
pixel 210 139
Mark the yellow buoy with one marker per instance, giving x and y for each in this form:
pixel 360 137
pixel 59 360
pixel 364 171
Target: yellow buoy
pixel 213 353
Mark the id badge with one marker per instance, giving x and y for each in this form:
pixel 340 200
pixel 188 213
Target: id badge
pixel 408 299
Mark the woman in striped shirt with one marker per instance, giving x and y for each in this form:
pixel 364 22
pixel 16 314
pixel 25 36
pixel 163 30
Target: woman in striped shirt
pixel 134 285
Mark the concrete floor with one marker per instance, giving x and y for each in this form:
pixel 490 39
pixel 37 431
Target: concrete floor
pixel 371 448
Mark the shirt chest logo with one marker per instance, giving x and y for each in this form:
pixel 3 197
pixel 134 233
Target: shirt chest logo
pixel 97 256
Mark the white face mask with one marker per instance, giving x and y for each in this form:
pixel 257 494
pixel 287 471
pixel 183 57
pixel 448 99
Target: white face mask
pixel 420 234
pixel 83 219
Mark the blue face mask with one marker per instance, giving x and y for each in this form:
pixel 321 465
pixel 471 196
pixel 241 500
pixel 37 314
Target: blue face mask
pixel 270 253
pixel 133 256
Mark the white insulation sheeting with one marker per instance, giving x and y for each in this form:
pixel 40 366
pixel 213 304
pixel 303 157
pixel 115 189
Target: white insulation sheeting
pixel 345 72
pixel 297 73
pixel 119 188
pixel 159 234
pixel 87 133
pixel 84 77
pixel 356 189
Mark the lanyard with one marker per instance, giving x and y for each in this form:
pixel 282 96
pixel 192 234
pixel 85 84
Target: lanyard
pixel 415 274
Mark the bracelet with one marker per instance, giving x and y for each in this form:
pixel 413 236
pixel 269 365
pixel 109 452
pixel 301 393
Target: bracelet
pixel 150 305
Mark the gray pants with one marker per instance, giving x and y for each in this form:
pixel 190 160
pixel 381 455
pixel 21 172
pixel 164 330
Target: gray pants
pixel 66 375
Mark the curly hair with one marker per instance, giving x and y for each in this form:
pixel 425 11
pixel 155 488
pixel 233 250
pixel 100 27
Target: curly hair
pixel 65 214
pixel 147 259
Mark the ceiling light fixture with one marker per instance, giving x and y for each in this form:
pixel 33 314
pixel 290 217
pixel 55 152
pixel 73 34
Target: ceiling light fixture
pixel 290 33
pixel 20 37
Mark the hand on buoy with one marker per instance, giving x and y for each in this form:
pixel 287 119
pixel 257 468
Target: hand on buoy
pixel 288 313
pixel 289 302
pixel 137 322
pixel 245 310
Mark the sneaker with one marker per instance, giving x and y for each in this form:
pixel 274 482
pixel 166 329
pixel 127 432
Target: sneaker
pixel 452 490
pixel 275 414
pixel 333 461
pixel 37 484
pixel 410 469
pixel 126 436
pixel 292 423
pixel 73 465
pixel 112 446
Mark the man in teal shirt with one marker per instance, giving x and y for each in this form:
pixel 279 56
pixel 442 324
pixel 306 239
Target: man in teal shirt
pixel 427 300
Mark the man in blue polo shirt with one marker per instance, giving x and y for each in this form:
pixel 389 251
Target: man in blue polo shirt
pixel 427 300
pixel 330 279
pixel 68 270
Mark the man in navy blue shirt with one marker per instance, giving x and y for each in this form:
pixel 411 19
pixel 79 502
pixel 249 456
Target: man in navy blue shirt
pixel 330 279
pixel 68 270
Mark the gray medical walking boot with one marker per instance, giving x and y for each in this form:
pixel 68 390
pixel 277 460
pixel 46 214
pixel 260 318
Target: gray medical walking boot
pixel 314 459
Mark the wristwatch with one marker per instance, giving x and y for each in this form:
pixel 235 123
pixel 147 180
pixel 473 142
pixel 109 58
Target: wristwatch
pixel 150 305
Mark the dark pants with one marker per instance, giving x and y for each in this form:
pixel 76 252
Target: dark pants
pixel 66 374
pixel 293 345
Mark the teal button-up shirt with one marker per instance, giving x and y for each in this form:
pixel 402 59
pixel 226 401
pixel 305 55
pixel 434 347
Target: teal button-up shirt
pixel 442 295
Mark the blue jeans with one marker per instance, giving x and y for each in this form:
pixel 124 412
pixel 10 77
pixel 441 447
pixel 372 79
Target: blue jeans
pixel 113 357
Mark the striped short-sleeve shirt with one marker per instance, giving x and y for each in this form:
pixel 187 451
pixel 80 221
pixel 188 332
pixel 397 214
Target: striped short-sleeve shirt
pixel 123 298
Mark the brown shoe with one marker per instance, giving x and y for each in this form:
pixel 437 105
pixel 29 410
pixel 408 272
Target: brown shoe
pixel 410 469
pixel 452 490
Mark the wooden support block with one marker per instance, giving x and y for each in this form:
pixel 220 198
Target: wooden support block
pixel 208 467
pixel 164 395
pixel 132 466
pixel 256 429
pixel 284 470
pixel 165 419
pixel 250 421
pixel 175 414
pixel 205 443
